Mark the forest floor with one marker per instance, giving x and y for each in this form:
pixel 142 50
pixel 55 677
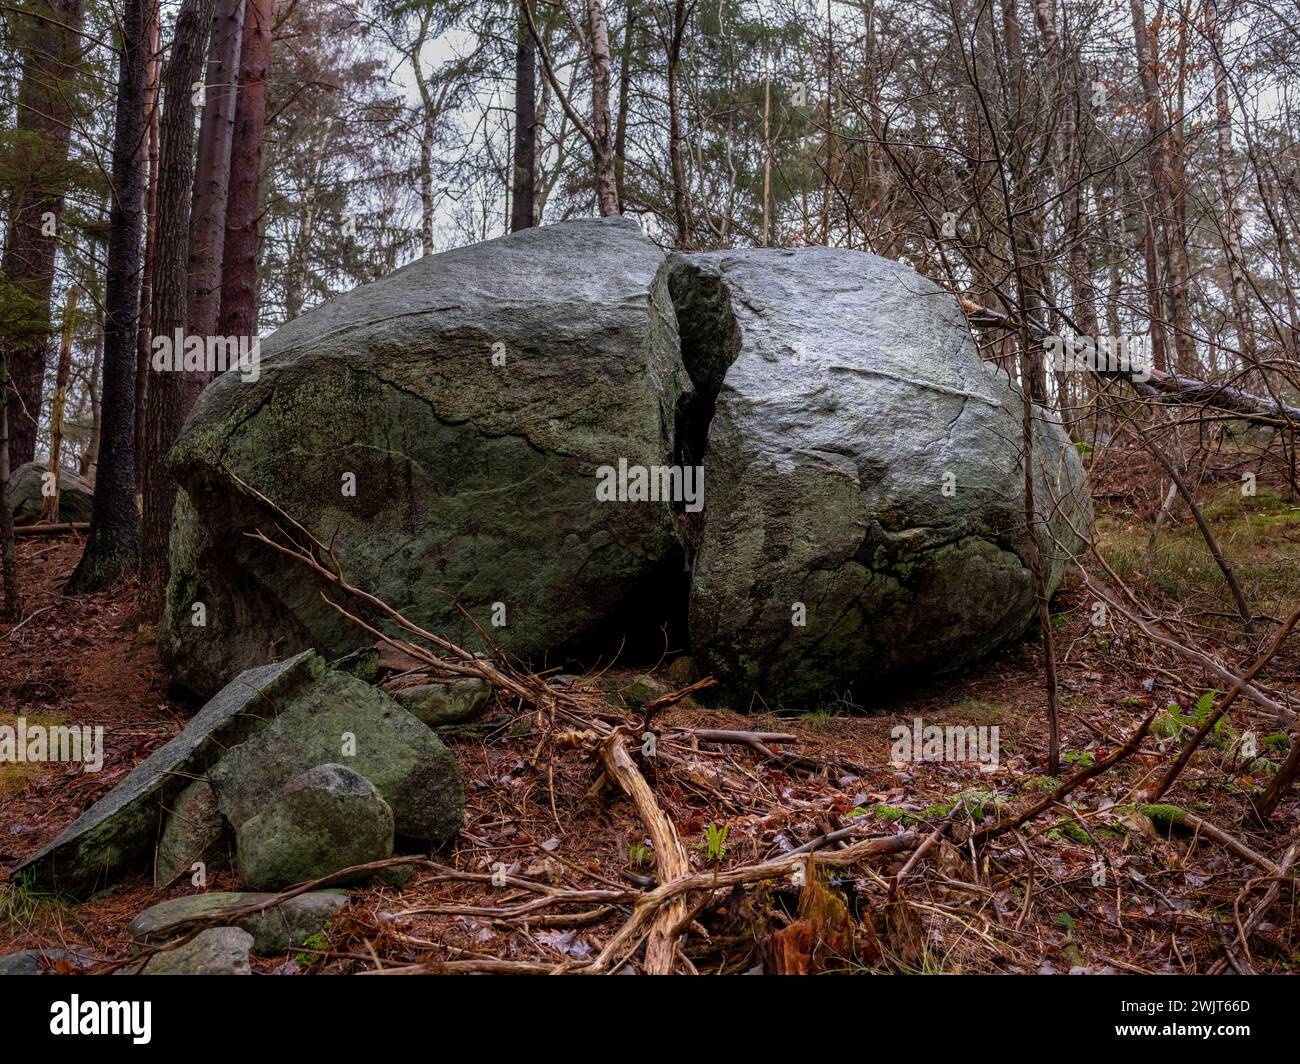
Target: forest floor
pixel 1089 884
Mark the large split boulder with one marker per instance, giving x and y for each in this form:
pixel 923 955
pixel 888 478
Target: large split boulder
pixel 26 494
pixel 442 428
pixel 446 430
pixel 865 515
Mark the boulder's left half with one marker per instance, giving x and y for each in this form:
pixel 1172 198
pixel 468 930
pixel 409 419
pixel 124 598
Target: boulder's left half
pixel 444 429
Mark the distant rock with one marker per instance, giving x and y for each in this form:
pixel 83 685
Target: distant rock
pixel 26 497
pixel 46 962
pixel 327 819
pixel 276 930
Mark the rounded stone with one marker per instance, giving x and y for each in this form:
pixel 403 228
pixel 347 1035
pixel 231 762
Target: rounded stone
pixel 327 819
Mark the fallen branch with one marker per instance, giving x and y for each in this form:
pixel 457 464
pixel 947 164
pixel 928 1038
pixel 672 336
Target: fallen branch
pixel 1225 674
pixel 485 966
pixel 51 530
pixel 1167 386
pixel 1246 928
pixel 30 616
pixel 992 831
pixel 648 905
pixel 1208 724
pixel 670 856
pixel 1170 815
pixel 744 738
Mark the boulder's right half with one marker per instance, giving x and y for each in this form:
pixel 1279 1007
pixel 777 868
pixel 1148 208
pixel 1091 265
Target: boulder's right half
pixel 864 514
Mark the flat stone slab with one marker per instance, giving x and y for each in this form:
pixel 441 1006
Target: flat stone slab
pixel 119 831
pixel 276 930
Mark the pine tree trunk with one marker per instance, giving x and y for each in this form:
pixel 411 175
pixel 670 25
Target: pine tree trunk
pixel 143 335
pixel 50 503
pixel 675 161
pixel 525 175
pixel 113 543
pixel 238 316
pixel 11 609
pixel 170 394
pixel 212 175
pixel 51 43
pixel 624 104
pixel 602 134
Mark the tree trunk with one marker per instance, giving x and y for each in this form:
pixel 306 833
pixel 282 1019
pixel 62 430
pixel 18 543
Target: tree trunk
pixel 624 104
pixel 1228 190
pixel 521 212
pixel 1067 167
pixel 170 394
pixel 90 457
pixel 212 174
pixel 1164 199
pixel 50 41
pixel 602 135
pixel 113 542
pixel 767 157
pixel 1155 302
pixel 1025 234
pixel 238 316
pixel 150 231
pixel 12 607
pixel 50 503
pixel 675 125
pixel 428 129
